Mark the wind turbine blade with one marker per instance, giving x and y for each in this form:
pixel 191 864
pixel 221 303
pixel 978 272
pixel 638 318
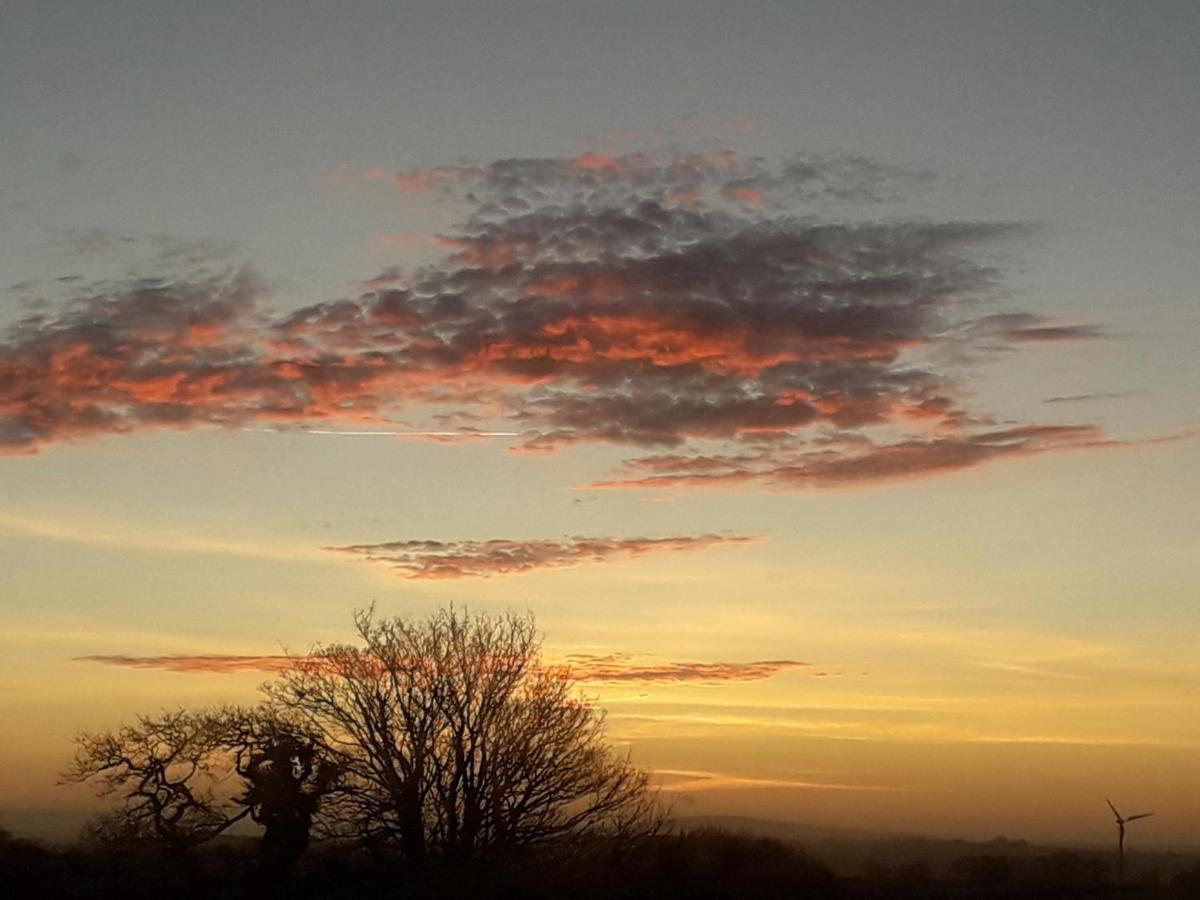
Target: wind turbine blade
pixel 1139 816
pixel 1113 808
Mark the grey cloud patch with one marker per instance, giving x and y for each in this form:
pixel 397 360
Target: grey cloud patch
pixel 1025 328
pixel 1046 333
pixel 1087 398
pixel 162 249
pixel 520 184
pixel 790 467
pixel 426 559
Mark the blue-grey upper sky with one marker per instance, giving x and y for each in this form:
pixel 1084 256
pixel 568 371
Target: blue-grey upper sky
pixel 223 121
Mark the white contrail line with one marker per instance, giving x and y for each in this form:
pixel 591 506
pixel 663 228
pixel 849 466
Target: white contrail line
pixel 464 434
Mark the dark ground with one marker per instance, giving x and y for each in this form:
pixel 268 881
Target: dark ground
pixel 706 864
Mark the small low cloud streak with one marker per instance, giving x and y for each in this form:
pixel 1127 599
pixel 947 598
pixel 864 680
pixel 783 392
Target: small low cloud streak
pixel 618 667
pixel 692 780
pixel 428 559
pixel 611 668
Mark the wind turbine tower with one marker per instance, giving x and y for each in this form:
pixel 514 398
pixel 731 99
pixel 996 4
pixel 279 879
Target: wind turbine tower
pixel 1121 822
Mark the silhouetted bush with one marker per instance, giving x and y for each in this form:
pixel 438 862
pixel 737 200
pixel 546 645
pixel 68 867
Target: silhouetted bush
pixel 706 865
pixel 982 870
pixel 1186 885
pixel 1066 869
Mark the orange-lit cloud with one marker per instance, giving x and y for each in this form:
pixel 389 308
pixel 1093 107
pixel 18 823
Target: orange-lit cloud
pixel 481 559
pixel 743 193
pixel 220 663
pixel 581 301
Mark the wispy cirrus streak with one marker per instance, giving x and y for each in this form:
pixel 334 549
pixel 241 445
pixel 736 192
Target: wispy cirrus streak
pixel 856 461
pixel 619 667
pixel 1098 395
pixel 680 302
pixel 691 780
pixel 606 668
pixel 1024 328
pixel 428 559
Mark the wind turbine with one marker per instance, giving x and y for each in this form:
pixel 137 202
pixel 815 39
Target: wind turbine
pixel 1121 835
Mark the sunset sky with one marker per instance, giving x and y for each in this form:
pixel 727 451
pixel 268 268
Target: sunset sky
pixel 822 376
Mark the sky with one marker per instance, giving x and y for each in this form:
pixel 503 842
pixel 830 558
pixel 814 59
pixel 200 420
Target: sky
pixel 820 375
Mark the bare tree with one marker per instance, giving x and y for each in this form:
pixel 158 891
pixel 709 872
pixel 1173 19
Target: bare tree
pixel 446 735
pixel 168 771
pixel 454 737
pixel 523 758
pixel 374 708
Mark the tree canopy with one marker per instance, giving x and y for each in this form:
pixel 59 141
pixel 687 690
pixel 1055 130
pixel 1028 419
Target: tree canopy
pixel 445 736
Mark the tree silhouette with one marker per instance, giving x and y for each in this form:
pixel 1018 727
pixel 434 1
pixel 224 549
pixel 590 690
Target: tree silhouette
pixel 454 737
pixel 165 769
pixel 446 735
pixel 374 708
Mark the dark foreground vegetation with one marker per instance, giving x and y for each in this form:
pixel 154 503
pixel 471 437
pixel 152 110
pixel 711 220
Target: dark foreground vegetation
pixel 704 864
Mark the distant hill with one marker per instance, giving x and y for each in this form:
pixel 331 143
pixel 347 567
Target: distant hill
pixel 53 826
pixel 848 851
pixel 783 830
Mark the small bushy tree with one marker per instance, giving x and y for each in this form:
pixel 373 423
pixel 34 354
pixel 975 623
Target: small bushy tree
pixel 166 770
pixel 185 777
